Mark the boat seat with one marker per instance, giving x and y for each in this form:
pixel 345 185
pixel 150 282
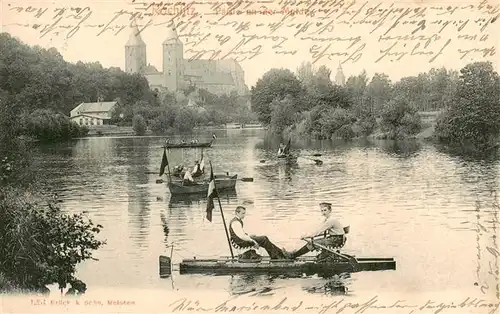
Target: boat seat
pixel 337 241
pixel 242 250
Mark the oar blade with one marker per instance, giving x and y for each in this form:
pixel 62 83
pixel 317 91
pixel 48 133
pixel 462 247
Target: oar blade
pixel 247 179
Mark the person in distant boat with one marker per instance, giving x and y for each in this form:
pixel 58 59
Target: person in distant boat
pixel 281 149
pixel 178 170
pixel 330 227
pixel 188 178
pixel 242 239
pixel 196 169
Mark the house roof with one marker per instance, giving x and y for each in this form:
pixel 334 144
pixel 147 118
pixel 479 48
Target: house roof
pixel 95 106
pixel 150 69
pixel 217 78
pixel 90 116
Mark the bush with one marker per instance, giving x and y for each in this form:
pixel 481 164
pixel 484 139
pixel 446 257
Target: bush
pixel 336 122
pixel 40 244
pixel 365 125
pixel 48 126
pixel 399 120
pixel 139 125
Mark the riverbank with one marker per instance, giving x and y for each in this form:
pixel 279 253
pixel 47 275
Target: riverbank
pixel 114 130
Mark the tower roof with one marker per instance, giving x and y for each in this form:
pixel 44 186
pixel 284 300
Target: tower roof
pixel 171 35
pixel 135 36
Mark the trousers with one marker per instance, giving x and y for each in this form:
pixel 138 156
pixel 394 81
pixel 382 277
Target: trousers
pixel 271 249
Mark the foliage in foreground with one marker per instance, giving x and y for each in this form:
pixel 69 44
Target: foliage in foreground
pixel 39 243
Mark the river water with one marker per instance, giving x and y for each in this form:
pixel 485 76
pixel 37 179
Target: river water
pixel 429 210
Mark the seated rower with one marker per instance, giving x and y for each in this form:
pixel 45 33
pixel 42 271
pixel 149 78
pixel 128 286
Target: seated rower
pixel 281 149
pixel 177 171
pixel 241 239
pixel 197 170
pixel 188 179
pixel 331 228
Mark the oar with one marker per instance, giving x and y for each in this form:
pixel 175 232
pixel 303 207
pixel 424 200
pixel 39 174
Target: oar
pixel 342 256
pixel 240 179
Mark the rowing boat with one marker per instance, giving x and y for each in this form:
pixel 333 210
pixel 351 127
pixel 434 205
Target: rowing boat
pixel 328 263
pixel 303 265
pixel 223 182
pixel 189 145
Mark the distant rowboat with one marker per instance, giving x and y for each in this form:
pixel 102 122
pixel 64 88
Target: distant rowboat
pixel 189 145
pixel 223 182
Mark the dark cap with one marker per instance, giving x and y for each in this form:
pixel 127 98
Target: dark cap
pixel 325 204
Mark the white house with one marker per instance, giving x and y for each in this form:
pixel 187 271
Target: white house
pixel 93 113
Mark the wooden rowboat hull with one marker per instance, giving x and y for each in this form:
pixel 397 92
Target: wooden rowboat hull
pixel 221 182
pixel 305 265
pixel 190 145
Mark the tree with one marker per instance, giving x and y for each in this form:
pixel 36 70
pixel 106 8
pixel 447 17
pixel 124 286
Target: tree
pixel 378 92
pixel 275 84
pixel 282 114
pixel 473 119
pixel 139 124
pixel 355 89
pixel 399 120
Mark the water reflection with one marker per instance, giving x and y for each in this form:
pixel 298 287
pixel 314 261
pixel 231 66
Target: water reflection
pixel 138 194
pixel 267 284
pixel 492 154
pixel 338 285
pixel 251 284
pixel 407 148
pixel 178 201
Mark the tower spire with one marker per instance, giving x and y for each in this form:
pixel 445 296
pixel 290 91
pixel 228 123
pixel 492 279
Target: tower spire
pixel 135 51
pixel 340 77
pixel 135 38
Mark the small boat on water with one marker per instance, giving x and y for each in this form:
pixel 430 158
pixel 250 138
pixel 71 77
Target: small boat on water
pixel 285 155
pixel 307 265
pixel 189 145
pixel 223 182
pixel 192 144
pixel 327 263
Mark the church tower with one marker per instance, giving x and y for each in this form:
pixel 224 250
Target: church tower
pixel 173 60
pixel 340 77
pixel 135 52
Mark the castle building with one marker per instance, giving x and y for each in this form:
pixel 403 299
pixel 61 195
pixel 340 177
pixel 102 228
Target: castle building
pixel 217 76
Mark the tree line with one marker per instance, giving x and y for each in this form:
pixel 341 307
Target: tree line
pixel 307 103
pixel 38 82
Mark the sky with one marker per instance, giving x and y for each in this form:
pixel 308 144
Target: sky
pixel 400 39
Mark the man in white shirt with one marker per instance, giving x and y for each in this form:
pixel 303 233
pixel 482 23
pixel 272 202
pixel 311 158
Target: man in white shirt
pixel 330 227
pixel 188 179
pixel 242 239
